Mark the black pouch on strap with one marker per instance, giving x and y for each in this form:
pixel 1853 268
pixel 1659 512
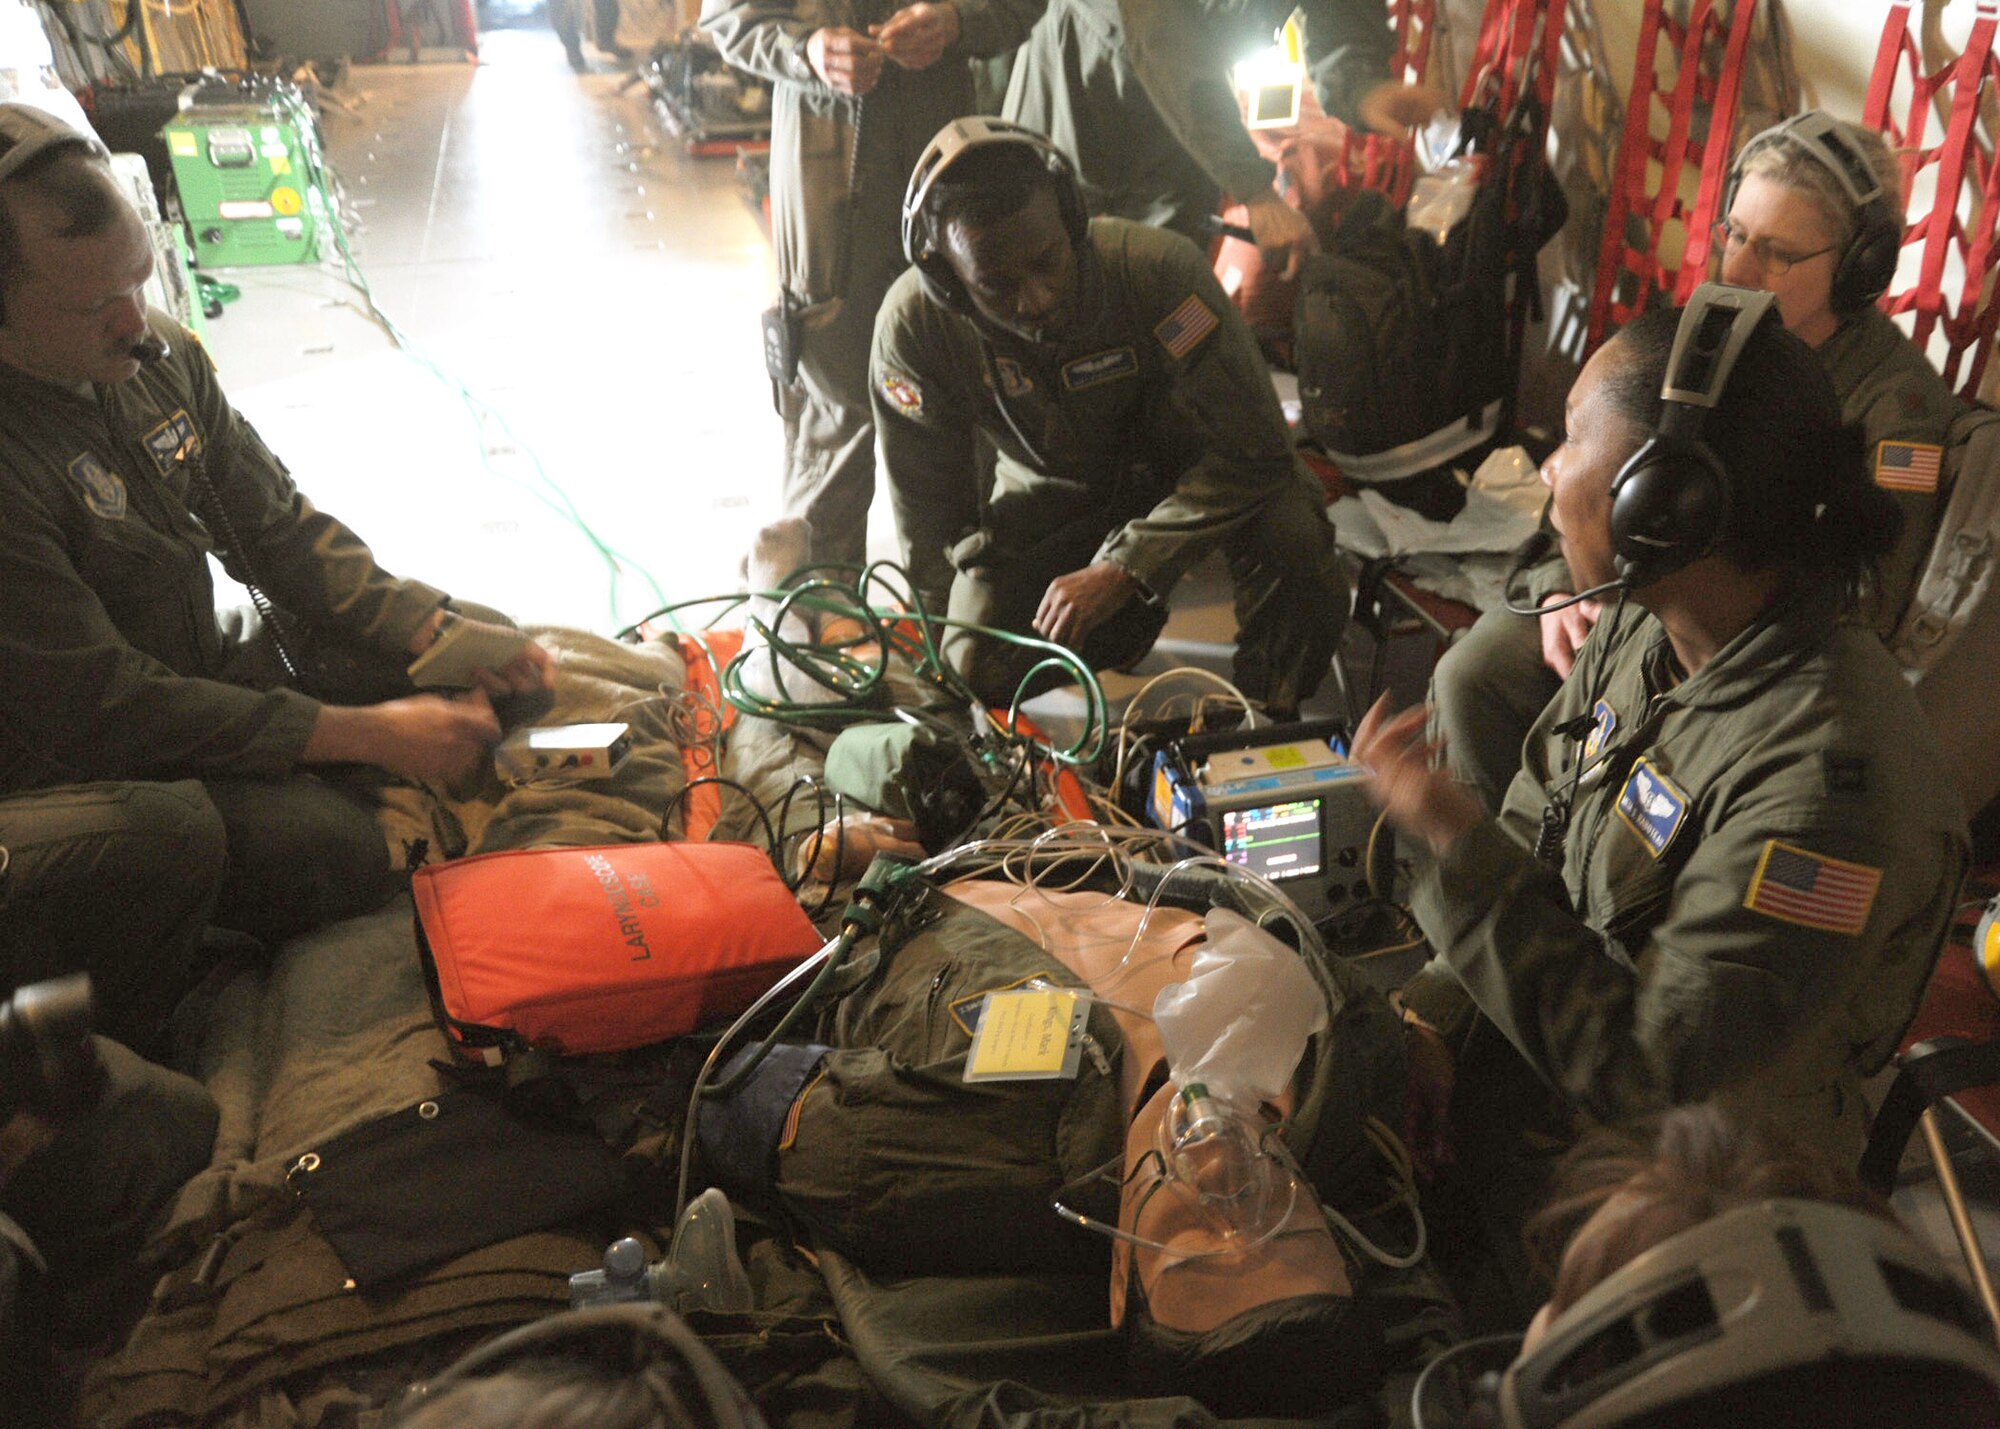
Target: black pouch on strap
pixel 448 1175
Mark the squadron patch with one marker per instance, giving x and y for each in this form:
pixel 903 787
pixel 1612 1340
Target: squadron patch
pixel 172 441
pixel 1796 885
pixel 1604 719
pixel 1908 466
pixel 1014 379
pixel 1099 367
pixel 1652 806
pixel 1183 329
pixel 103 488
pixel 905 394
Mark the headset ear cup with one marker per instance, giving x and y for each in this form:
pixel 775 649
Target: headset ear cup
pixel 1869 265
pixel 1668 506
pixel 941 283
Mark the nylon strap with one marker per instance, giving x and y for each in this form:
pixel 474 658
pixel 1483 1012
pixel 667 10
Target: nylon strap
pixel 706 655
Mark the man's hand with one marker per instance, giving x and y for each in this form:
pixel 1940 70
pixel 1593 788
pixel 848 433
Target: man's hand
pixel 531 670
pixel 1284 235
pixel 917 36
pixel 1076 604
pixel 1563 631
pixel 1395 109
pixel 846 61
pixel 424 737
pixel 1421 798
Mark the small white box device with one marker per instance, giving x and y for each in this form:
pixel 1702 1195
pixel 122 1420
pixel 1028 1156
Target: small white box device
pixel 563 751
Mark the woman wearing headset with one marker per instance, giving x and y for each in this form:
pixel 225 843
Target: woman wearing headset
pixel 1732 849
pixel 1813 215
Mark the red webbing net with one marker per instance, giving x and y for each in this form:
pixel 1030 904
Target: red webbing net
pixel 1645 199
pixel 1960 167
pixel 1381 161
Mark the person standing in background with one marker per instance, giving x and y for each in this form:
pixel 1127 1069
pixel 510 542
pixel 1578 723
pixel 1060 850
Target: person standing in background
pixel 1139 94
pixel 861 85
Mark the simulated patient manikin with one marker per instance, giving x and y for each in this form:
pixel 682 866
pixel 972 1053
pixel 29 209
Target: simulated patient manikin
pixel 1208 1100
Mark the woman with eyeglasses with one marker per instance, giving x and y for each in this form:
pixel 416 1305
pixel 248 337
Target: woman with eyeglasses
pixel 1814 215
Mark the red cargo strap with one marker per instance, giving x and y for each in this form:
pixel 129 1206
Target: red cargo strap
pixel 707 654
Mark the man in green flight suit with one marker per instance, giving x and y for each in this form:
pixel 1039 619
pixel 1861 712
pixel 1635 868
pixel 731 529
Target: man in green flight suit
pixel 1139 95
pixel 1814 216
pixel 156 759
pixel 1135 422
pixel 1732 851
pixel 859 86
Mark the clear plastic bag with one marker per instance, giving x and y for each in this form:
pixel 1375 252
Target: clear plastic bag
pixel 1239 1023
pixel 1440 199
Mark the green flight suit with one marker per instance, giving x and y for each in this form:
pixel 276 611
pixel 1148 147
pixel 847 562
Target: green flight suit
pixel 1148 439
pixel 86 1202
pixel 1761 866
pixel 1890 391
pixel 1492 682
pixel 1139 94
pixel 114 665
pixel 839 167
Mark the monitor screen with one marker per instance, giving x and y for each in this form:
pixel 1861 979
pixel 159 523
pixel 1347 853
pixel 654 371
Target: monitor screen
pixel 1276 841
pixel 1273 105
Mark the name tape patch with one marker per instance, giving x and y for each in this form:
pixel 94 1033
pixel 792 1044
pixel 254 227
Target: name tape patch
pixel 1652 806
pixel 173 441
pixel 1099 368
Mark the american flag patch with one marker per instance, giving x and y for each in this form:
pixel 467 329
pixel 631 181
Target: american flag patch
pixel 1814 891
pixel 1182 330
pixel 1908 466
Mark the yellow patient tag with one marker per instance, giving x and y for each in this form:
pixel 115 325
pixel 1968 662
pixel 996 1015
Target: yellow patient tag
pixel 1027 1034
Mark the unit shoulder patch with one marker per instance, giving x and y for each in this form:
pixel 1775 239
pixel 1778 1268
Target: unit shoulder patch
pixel 103 488
pixel 1652 806
pixel 1796 885
pixel 1099 368
pixel 903 394
pixel 173 441
pixel 1603 720
pixel 1908 466
pixel 1184 329
pixel 1014 378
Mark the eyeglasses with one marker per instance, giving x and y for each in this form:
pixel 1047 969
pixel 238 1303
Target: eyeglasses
pixel 1773 260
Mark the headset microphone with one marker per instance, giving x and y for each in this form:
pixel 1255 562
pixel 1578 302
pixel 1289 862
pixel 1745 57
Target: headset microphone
pixel 148 350
pixel 1531 552
pixel 1622 583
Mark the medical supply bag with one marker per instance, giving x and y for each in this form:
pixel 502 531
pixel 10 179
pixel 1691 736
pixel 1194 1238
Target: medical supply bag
pixel 601 949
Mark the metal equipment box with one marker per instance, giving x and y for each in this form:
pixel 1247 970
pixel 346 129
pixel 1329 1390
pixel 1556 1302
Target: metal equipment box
pixel 249 186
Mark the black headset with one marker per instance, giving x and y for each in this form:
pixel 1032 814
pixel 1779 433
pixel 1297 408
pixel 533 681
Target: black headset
pixel 923 237
pixel 1670 501
pixel 645 1339
pixel 1867 265
pixel 27 133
